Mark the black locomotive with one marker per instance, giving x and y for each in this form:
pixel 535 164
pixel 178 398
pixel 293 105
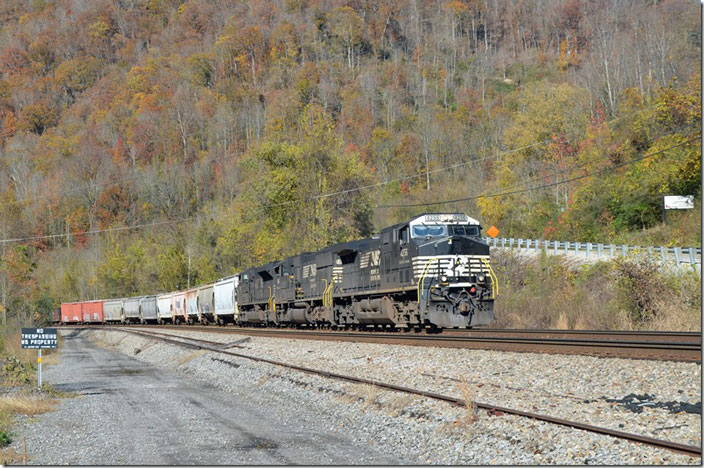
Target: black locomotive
pixel 432 271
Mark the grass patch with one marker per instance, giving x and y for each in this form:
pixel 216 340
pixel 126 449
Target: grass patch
pixel 371 395
pixel 631 293
pixel 9 456
pixel 470 405
pixel 29 405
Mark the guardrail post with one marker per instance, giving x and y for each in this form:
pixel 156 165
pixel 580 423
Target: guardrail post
pixel 598 250
pixel 577 247
pixel 520 243
pixel 537 245
pixel 677 255
pixel 546 244
pixel 650 251
pixel 567 247
pixel 611 250
pixel 527 244
pixel 662 254
pixel 510 243
pixel 554 246
pixel 624 250
pixel 503 242
pixel 692 258
pixel 589 249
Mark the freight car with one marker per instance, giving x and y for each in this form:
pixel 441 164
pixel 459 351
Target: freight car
pixel 165 306
pixel 131 310
pixel 224 300
pixel 432 271
pixel 148 310
pixel 112 311
pixel 71 312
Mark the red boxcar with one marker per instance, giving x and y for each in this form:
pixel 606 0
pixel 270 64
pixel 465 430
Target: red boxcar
pixel 92 311
pixel 71 312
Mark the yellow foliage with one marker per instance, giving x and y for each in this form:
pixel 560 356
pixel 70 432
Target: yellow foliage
pixel 99 29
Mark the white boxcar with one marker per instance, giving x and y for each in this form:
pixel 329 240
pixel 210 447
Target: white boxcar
pixel 163 302
pixel 131 309
pixel 225 292
pixel 147 309
pixel 112 310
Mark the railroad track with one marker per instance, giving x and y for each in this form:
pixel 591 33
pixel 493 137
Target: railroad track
pixel 217 347
pixel 665 346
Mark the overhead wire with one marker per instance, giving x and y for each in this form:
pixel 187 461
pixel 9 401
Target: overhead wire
pixel 504 193
pixel 355 189
pixel 399 179
pixel 553 184
pixel 445 168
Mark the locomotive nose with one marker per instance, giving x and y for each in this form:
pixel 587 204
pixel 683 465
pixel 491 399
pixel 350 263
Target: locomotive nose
pixel 458 245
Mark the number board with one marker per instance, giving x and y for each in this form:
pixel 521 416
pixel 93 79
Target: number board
pixel 39 338
pixel 446 218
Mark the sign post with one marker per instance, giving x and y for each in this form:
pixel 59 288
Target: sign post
pixel 39 338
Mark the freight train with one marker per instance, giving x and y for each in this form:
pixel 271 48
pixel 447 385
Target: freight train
pixel 432 271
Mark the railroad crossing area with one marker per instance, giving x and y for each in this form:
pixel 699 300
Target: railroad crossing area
pixel 211 396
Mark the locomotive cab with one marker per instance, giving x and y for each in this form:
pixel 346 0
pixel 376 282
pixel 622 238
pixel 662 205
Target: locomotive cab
pixel 450 267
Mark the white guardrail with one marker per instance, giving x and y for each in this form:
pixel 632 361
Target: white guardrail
pixel 590 251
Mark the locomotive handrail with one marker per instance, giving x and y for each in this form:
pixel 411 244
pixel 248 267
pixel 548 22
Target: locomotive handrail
pixel 272 302
pixel 325 290
pixel 494 280
pixel 327 293
pixel 421 280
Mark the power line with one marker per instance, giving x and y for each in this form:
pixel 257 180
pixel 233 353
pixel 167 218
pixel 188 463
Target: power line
pixel 553 184
pixel 137 226
pixel 442 169
pixel 123 228
pixel 399 179
pixel 83 233
pixel 356 189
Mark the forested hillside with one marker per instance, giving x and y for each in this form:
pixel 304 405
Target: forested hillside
pixel 147 145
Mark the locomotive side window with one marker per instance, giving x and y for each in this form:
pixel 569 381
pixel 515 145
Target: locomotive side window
pixel 403 234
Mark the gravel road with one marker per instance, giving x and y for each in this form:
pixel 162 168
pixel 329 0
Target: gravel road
pixel 127 411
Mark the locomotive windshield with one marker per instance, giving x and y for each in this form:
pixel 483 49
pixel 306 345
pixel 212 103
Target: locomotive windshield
pixel 440 230
pixel 471 231
pixel 432 231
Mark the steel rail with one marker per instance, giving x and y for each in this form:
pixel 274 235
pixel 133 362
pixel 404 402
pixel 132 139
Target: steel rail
pixel 612 344
pixel 690 450
pixel 680 346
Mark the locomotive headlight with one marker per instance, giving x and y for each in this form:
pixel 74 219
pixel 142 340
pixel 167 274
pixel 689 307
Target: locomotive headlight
pixel 481 278
pixel 443 279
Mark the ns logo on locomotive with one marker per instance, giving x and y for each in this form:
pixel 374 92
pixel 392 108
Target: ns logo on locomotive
pixel 432 271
